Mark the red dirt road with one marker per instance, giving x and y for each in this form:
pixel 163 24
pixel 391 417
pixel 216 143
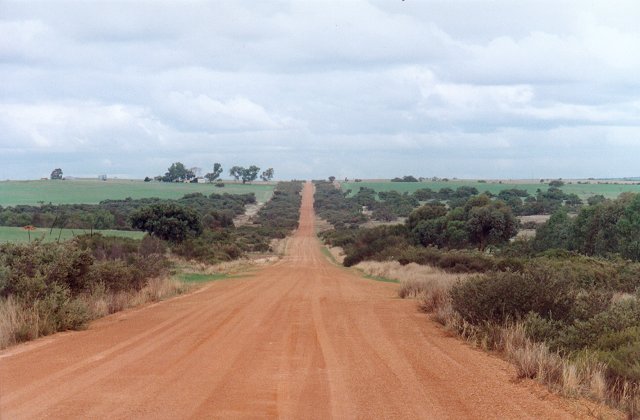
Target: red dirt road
pixel 300 339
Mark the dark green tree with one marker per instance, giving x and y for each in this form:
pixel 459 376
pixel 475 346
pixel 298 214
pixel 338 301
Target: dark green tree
pixel 628 227
pixel 217 171
pixel 56 173
pixel 267 175
pixel 249 174
pixel 555 233
pixel 491 224
pixel 430 232
pixel 594 231
pixel 427 212
pixel 177 172
pixel 236 172
pixel 170 222
pixel 596 199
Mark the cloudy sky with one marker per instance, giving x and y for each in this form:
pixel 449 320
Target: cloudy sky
pixel 468 89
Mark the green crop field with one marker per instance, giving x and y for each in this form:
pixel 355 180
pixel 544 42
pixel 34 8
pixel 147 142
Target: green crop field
pixel 18 234
pixel 93 191
pixel 609 190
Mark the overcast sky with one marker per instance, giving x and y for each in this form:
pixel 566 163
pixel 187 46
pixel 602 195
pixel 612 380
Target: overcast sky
pixel 468 89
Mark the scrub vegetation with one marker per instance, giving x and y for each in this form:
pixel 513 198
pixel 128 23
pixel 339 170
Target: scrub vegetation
pixel 564 306
pixel 54 286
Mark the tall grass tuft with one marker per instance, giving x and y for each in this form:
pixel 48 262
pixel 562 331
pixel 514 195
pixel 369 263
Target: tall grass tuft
pixel 20 322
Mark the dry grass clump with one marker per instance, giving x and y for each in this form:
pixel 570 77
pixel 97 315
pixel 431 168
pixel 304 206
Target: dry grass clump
pixel 20 322
pixel 337 253
pixel 223 267
pixel 17 322
pixel 101 303
pixel 429 284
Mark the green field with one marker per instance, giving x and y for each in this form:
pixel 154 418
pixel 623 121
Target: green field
pixel 582 190
pixel 19 235
pixel 93 191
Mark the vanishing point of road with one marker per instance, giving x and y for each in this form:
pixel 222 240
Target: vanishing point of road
pixel 299 339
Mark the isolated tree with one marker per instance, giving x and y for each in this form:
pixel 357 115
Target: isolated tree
pixel 56 173
pixel 267 175
pixel 170 221
pixel 217 171
pixel 332 178
pixel 236 172
pixel 177 172
pixel 249 174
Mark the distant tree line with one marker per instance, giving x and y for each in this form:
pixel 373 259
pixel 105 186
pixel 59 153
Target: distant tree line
pixel 603 228
pixel 178 172
pixel 116 214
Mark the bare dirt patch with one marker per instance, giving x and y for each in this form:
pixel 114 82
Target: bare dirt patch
pixel 251 210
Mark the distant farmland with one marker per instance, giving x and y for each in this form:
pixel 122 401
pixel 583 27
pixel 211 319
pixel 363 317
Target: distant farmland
pixel 93 191
pixel 19 235
pixel 583 191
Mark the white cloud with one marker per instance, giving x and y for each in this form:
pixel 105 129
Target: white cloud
pixel 78 127
pixel 200 111
pixel 369 85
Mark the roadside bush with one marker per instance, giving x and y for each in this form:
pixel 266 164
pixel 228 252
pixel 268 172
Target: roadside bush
pixel 116 276
pixel 44 287
pixel 107 247
pixel 382 243
pixel 464 262
pixel 502 296
pixel 170 222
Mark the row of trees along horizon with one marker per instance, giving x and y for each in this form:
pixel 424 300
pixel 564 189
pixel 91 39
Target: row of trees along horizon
pixel 116 214
pixel 178 172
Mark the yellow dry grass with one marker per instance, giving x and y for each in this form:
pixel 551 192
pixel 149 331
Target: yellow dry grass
pixel 20 322
pixel 409 274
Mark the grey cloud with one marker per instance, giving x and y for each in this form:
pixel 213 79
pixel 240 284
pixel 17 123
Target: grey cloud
pixel 359 88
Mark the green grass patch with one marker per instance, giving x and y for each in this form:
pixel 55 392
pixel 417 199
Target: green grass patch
pixel 583 191
pixel 19 235
pixel 85 191
pixel 378 278
pixel 203 278
pixel 328 254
